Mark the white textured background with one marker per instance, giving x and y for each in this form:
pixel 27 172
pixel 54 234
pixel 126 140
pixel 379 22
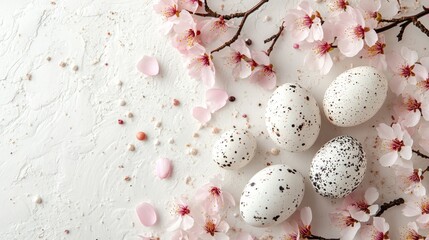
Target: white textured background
pixel 59 136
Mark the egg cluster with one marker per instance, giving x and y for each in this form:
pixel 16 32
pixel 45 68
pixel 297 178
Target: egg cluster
pixel 293 122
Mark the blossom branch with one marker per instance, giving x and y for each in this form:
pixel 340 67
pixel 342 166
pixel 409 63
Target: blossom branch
pixel 240 27
pixel 211 13
pixel 426 170
pixel 386 206
pixel 321 238
pixel 274 39
pixel 420 154
pixel 403 22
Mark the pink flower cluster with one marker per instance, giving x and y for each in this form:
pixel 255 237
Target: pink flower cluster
pixel 192 35
pixel 410 82
pixel 350 29
pixel 203 216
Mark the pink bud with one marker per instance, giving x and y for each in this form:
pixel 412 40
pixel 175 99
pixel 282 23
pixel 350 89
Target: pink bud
pixel 296 46
pixel 164 168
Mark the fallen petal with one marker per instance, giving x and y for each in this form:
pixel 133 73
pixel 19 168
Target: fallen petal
pixel 203 115
pixel 146 213
pixel 148 65
pixel 164 168
pixel 216 98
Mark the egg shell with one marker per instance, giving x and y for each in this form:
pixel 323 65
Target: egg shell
pixel 355 96
pixel 338 167
pixel 271 195
pixel 234 149
pixel 293 118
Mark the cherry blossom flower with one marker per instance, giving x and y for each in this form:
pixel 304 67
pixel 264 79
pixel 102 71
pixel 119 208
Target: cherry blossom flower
pixel 201 66
pixel 212 197
pixel 353 33
pixel 412 107
pixel 239 57
pixel 186 33
pixel 304 23
pixel 213 28
pixel 338 5
pixel 376 55
pixel 410 180
pixel 419 208
pixel 300 227
pixel 348 225
pixel 318 56
pixel 263 71
pixel 362 209
pixel 213 228
pixel 412 232
pixel 184 220
pixel 402 66
pixel 379 230
pixel 191 5
pixel 170 10
pixel 396 141
pixel 370 11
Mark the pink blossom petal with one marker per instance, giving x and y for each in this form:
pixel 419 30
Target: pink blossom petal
pixel 229 198
pixel 188 222
pixel 261 58
pixel 385 132
pixel 361 216
pixel 410 56
pixel 349 233
pixel 222 227
pixel 164 168
pixel 147 214
pixel 380 224
pixel 423 220
pixel 306 216
pixel 216 98
pixel 371 195
pixel 371 37
pixel 373 209
pixel 389 159
pixel 411 210
pixel 203 115
pixel 148 65
pixel 406 152
pixel 175 225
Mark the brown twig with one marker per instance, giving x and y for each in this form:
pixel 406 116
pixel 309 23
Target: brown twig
pixel 321 238
pixel 403 22
pixel 426 170
pixel 240 27
pixel 386 206
pixel 420 154
pixel 276 37
pixel 211 13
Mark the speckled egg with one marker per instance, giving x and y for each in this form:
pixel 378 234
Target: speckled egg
pixel 338 167
pixel 355 96
pixel 293 118
pixel 271 196
pixel 234 149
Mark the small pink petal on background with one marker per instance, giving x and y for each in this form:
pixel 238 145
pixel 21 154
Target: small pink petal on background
pixel 203 115
pixel 148 66
pixel 147 214
pixel 216 98
pixel 164 168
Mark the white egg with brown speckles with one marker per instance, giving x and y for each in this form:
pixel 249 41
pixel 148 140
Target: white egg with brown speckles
pixel 293 118
pixel 234 149
pixel 338 167
pixel 271 196
pixel 355 96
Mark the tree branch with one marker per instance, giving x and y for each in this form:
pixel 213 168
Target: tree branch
pixel 240 27
pixel 211 13
pixel 420 154
pixel 386 206
pixel 403 22
pixel 274 39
